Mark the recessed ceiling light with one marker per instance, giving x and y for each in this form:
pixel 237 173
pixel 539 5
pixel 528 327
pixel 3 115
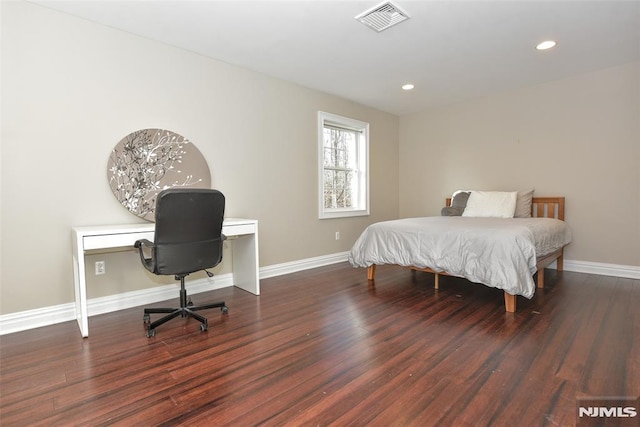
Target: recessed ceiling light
pixel 546 45
pixel 408 86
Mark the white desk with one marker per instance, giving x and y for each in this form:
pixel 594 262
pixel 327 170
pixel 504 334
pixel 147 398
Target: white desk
pixel 245 254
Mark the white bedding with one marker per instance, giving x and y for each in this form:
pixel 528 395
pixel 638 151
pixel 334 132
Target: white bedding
pixel 498 252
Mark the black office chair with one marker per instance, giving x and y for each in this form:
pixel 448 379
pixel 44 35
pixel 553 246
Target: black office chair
pixel 188 238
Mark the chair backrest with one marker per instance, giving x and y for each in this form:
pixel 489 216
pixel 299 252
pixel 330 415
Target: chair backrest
pixel 188 231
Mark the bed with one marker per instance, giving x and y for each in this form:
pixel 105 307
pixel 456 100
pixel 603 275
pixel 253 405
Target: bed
pixel 503 253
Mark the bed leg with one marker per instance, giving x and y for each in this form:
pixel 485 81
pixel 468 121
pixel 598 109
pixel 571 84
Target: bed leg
pixel 541 278
pixel 560 261
pixel 510 303
pixel 371 272
pixel 436 281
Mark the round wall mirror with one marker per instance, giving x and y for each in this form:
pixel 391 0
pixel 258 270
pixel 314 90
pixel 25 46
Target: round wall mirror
pixel 148 161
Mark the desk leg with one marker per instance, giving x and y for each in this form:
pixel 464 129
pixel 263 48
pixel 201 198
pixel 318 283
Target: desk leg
pixel 80 283
pixel 246 274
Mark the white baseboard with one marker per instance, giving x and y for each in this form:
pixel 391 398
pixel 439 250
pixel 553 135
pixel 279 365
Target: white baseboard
pixel 30 319
pixel 117 302
pixel 303 264
pixel 601 269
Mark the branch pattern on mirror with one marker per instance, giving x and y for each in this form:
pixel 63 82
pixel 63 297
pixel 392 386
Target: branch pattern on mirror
pixel 144 163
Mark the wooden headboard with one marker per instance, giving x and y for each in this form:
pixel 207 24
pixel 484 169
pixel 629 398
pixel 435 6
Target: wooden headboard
pixel 542 207
pixel 548 207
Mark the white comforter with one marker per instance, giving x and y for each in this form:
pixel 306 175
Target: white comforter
pixel 497 252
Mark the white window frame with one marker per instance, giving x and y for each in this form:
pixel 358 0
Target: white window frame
pixel 361 204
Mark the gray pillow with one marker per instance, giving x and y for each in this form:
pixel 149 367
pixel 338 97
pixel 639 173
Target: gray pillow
pixel 458 204
pixel 523 204
pixel 451 211
pixel 460 200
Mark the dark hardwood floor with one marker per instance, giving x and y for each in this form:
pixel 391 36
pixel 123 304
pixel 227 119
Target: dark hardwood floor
pixel 324 347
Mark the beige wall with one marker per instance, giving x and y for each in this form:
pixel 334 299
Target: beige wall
pixel 72 89
pixel 578 137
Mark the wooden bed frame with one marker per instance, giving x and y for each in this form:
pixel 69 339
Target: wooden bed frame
pixel 541 207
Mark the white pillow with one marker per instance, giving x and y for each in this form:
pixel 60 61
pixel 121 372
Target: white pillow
pixel 497 204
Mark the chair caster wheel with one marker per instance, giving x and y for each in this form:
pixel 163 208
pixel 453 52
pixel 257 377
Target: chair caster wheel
pixel 224 309
pixel 190 303
pixel 151 333
pixel 146 318
pixel 203 327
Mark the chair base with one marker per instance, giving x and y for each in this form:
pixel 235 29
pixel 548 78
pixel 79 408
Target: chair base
pixel 186 309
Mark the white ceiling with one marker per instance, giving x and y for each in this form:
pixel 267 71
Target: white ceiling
pixel 452 50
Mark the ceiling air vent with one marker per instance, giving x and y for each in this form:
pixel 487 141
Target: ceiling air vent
pixel 383 16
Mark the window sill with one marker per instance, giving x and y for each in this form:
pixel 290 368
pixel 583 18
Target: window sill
pixel 343 214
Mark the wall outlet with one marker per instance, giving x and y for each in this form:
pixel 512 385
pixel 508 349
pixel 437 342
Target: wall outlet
pixel 337 235
pixel 101 268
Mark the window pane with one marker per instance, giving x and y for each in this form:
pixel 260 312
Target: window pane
pixel 337 189
pixel 339 148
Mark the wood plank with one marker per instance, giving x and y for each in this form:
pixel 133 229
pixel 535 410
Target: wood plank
pixel 326 346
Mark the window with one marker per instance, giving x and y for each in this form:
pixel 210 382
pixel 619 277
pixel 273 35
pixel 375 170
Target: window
pixel 343 151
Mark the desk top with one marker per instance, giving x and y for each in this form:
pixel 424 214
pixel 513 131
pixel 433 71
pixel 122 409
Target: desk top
pixel 88 230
